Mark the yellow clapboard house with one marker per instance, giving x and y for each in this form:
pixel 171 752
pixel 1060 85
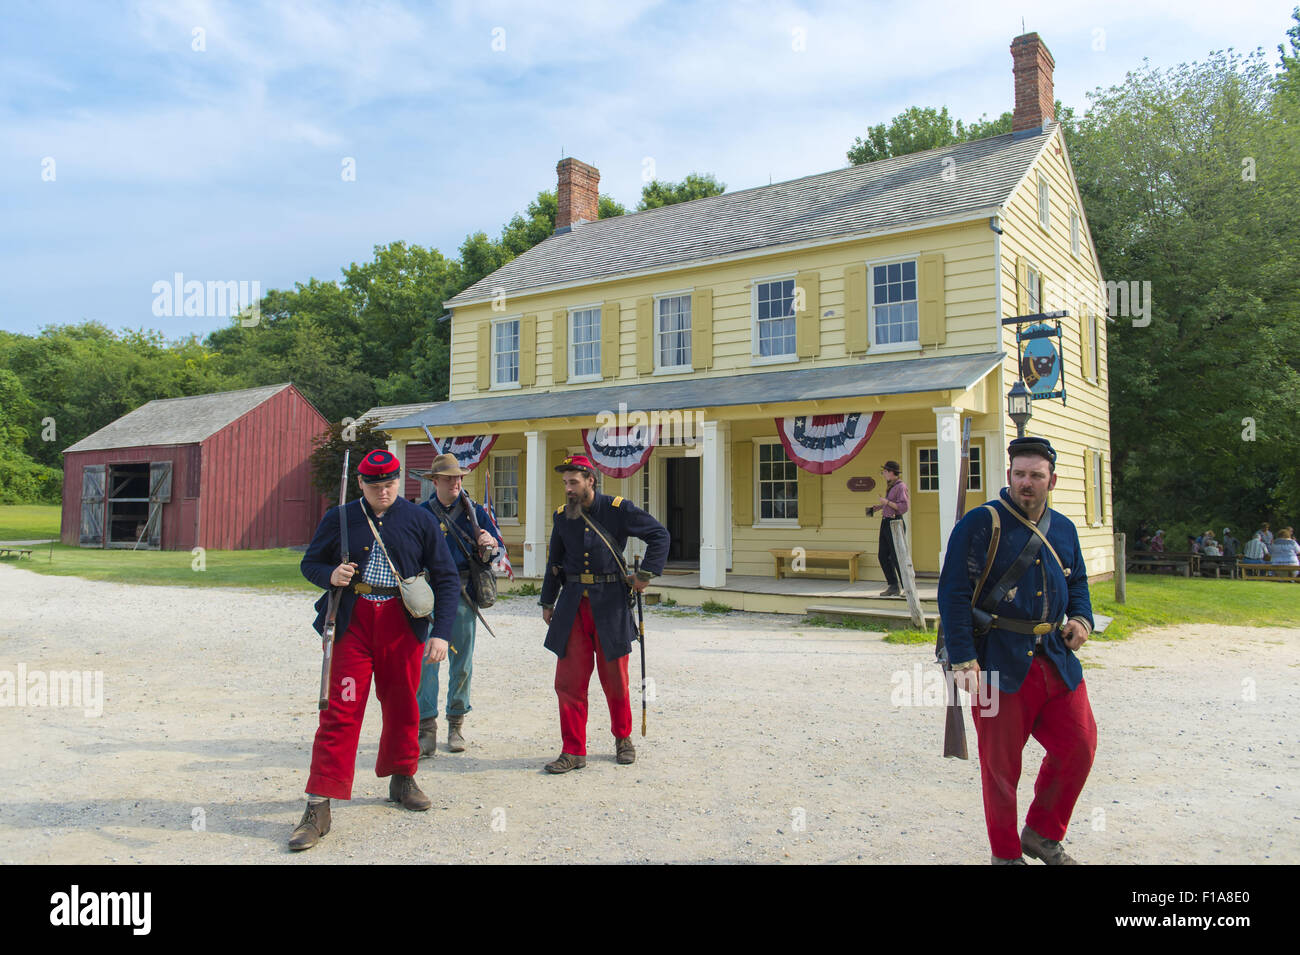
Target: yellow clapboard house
pixel 875 288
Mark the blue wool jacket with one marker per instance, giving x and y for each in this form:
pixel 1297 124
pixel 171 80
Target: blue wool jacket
pixel 466 529
pixel 414 543
pixel 575 550
pixel 1004 651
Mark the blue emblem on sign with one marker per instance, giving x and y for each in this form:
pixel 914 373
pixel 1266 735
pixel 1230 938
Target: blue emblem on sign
pixel 1040 362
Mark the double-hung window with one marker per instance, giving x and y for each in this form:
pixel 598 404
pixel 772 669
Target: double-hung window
pixel 1034 290
pixel 673 332
pixel 893 303
pixel 584 343
pixel 505 353
pixel 778 484
pixel 774 318
pixel 505 486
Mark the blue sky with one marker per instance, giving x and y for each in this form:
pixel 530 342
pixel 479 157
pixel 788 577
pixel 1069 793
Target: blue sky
pixel 142 139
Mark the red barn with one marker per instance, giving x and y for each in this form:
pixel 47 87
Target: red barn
pixel 227 471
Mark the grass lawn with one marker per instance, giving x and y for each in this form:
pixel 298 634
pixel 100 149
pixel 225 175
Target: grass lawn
pixel 1161 601
pixel 23 522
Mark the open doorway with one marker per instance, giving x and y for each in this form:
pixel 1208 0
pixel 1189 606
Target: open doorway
pixel 128 507
pixel 682 509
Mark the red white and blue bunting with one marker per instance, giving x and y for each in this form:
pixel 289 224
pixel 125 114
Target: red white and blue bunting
pixel 824 443
pixel 469 452
pixel 619 452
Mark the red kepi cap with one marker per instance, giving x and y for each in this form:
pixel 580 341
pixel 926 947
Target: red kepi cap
pixel 378 466
pixel 576 462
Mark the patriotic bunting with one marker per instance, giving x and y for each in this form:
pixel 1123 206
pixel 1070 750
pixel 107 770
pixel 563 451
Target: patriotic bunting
pixel 469 452
pixel 619 452
pixel 824 443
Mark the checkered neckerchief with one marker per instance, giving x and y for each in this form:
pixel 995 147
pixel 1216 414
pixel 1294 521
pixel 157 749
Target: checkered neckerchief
pixel 378 573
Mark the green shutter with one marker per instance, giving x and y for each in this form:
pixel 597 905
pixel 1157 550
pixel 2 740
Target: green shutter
pixel 932 319
pixel 742 483
pixel 855 309
pixel 528 351
pixel 645 336
pixel 810 499
pixel 702 329
pixel 611 313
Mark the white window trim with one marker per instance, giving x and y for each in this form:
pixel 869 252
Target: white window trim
pixel 492 354
pixel 872 347
pixel 1076 234
pixel 1044 203
pixel 654 333
pixel 758 359
pixel 919 448
pixel 598 376
pixel 1037 273
pixel 507 521
pixel 983 468
pixel 759 521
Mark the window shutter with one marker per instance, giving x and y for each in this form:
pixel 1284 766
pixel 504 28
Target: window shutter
pixel 1022 286
pixel 702 329
pixel 645 336
pixel 611 313
pixel 855 310
pixel 932 319
pixel 560 347
pixel 485 356
pixel 810 499
pixel 808 322
pixel 742 483
pixel 528 351
pixel 521 488
pixel 1089 497
pixel 1085 331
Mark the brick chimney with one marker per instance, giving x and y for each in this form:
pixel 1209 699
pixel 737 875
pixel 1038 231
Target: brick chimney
pixel 578 194
pixel 1035 96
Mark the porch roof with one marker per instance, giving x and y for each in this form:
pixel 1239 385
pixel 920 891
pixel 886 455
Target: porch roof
pixel 903 376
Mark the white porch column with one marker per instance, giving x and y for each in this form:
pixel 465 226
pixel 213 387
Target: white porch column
pixel 947 428
pixel 535 514
pixel 715 505
pixel 398 450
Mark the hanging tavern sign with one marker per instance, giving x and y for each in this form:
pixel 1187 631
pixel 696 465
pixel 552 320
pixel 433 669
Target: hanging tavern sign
pixel 1039 352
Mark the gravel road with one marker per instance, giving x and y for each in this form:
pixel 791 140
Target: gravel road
pixel 768 741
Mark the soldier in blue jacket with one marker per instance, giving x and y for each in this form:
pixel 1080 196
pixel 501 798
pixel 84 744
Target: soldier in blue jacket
pixel 379 638
pixel 1033 684
pixel 585 605
pixel 447 504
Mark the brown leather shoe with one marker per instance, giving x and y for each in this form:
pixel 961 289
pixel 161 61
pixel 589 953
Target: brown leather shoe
pixel 624 751
pixel 1018 860
pixel 404 790
pixel 1048 850
pixel 455 741
pixel 428 737
pixel 315 823
pixel 565 762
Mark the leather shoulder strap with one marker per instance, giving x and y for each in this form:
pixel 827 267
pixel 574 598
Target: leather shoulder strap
pixel 1040 529
pixel 995 537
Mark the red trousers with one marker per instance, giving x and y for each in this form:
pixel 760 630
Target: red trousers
pixel 573 674
pixel 379 641
pixel 1061 720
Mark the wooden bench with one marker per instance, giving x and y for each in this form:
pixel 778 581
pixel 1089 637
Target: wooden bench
pixel 1173 562
pixel 1283 573
pixel 20 552
pixel 1218 565
pixel 843 556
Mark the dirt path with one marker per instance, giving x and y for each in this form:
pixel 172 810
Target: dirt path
pixel 768 742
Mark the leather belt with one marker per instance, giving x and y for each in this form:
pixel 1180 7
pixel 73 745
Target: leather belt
pixel 598 578
pixel 1016 625
pixel 361 587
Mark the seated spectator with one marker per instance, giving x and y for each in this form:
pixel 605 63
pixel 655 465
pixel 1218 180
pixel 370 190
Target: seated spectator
pixel 1231 546
pixel 1193 545
pixel 1211 548
pixel 1255 550
pixel 1158 543
pixel 1265 534
pixel 1285 551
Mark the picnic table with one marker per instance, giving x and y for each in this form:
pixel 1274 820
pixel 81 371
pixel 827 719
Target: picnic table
pixel 1175 561
pixel 1284 573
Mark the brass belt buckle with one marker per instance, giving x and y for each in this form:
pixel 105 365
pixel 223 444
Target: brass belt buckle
pixel 1042 628
pixel 587 578
pixel 361 587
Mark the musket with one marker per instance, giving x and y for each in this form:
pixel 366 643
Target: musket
pixel 954 727
pixel 336 594
pixel 640 625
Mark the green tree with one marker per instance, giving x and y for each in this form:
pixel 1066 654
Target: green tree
pixel 919 128
pixel 1189 178
pixel 22 480
pixel 327 458
pixel 658 193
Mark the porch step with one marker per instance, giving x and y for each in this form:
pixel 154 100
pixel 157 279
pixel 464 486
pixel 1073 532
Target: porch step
pixel 886 616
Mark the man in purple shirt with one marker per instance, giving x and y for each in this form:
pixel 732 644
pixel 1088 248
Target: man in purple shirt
pixel 892 507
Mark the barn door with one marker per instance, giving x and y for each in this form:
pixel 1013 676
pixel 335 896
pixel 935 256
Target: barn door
pixel 92 505
pixel 160 493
